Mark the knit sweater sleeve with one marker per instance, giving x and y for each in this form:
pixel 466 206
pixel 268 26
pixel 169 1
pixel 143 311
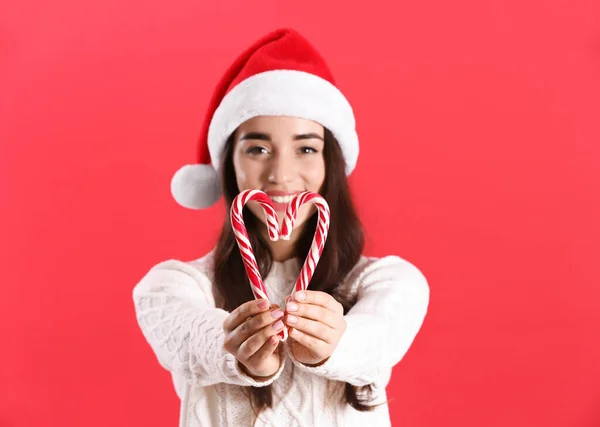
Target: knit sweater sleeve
pixel 393 298
pixel 175 311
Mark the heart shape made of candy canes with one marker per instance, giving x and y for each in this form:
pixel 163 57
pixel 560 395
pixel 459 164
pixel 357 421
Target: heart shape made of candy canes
pixel 272 220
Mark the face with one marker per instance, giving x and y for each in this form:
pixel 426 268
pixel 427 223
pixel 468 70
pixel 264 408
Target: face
pixel 281 156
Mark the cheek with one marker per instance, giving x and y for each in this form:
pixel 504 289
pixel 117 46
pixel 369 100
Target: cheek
pixel 243 174
pixel 240 177
pixel 318 176
pixel 315 175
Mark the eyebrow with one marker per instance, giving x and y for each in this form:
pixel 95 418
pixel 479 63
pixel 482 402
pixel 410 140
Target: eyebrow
pixel 266 137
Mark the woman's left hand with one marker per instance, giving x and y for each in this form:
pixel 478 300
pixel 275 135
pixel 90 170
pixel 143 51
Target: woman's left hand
pixel 316 322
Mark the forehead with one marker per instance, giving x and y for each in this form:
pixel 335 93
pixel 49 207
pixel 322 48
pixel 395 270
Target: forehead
pixel 280 126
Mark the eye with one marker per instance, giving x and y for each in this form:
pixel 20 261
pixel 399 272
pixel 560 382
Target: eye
pixel 257 149
pixel 308 150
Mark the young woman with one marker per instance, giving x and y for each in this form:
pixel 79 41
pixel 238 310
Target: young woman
pixel 277 123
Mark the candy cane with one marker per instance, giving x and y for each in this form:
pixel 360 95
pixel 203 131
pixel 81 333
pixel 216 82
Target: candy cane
pixel 318 243
pixel 239 229
pixel 241 235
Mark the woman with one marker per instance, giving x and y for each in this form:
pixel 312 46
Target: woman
pixel 277 123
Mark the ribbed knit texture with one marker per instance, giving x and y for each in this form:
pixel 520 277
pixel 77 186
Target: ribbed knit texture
pixel 176 312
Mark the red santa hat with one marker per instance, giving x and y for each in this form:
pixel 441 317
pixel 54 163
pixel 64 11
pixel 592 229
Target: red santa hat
pixel 281 74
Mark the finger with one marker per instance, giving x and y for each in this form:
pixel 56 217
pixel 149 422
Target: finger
pixel 314 312
pixel 243 312
pixel 253 325
pixel 319 298
pixel 266 350
pixel 313 328
pixel 315 345
pixel 249 347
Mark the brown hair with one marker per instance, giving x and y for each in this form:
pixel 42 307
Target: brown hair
pixel 342 251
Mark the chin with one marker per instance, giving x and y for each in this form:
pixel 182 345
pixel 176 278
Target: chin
pixel 304 213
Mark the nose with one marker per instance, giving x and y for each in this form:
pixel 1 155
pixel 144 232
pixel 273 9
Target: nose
pixel 282 169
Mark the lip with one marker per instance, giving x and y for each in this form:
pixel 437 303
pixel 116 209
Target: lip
pixel 280 207
pixel 281 193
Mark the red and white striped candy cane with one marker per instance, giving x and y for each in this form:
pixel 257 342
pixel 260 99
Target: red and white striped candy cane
pixel 239 229
pixel 241 236
pixel 318 243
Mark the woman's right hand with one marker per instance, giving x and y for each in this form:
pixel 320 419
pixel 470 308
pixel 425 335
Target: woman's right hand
pixel 251 336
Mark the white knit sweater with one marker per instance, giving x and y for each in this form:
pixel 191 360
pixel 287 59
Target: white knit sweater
pixel 176 312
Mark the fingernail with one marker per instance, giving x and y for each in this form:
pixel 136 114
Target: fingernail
pixel 292 306
pixel 301 296
pixel 278 325
pixel 295 332
pixel 263 304
pixel 292 319
pixel 277 314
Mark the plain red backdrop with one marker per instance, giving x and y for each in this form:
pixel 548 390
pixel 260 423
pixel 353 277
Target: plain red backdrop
pixel 479 123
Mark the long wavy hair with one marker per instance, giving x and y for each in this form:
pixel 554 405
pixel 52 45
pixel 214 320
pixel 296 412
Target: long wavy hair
pixel 344 246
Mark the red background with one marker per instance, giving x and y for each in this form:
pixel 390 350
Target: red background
pixel 479 123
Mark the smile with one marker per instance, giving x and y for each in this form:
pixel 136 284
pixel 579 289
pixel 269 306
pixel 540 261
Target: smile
pixel 282 199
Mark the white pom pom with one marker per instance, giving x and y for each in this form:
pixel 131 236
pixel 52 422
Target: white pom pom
pixel 196 186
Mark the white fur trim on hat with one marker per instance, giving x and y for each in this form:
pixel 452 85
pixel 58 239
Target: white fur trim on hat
pixel 196 186
pixel 285 93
